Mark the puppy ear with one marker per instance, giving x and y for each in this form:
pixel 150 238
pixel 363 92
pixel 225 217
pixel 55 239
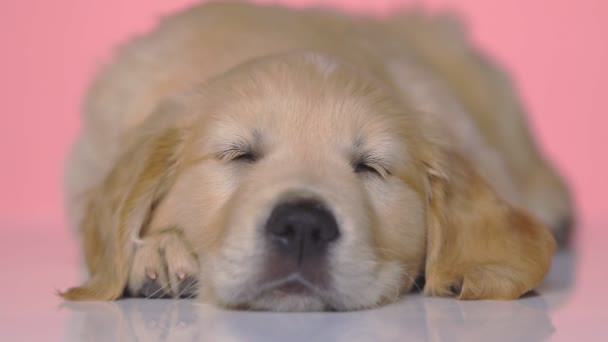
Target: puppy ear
pixel 478 246
pixel 119 209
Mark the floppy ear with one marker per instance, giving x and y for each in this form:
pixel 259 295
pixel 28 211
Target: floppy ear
pixel 119 209
pixel 478 246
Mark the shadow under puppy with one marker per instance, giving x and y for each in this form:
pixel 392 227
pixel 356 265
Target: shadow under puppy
pixel 294 160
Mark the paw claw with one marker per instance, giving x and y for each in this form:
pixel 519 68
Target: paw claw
pixel 163 267
pixel 151 274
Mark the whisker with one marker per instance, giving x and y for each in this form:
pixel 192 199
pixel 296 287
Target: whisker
pixel 192 286
pixel 162 288
pixel 384 250
pixel 413 281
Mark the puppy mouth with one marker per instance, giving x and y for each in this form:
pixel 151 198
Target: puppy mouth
pixel 292 285
pixel 282 292
pixel 292 288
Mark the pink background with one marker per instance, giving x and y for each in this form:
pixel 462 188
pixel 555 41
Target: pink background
pixel 556 50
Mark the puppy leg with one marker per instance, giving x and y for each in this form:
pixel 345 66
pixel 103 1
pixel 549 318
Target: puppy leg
pixel 164 266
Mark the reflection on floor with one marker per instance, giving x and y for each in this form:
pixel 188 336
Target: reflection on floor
pixel 561 309
pixel 415 318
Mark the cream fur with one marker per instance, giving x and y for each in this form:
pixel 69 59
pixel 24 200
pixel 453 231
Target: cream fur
pixel 308 92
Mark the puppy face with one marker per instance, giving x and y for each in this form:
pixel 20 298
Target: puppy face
pixel 300 192
pixel 304 184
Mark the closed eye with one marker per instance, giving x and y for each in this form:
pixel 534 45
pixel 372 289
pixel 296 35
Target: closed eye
pixel 243 149
pixel 238 155
pixel 247 157
pixel 368 162
pixel 366 168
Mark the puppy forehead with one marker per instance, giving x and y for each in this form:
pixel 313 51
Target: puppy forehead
pixel 338 125
pixel 313 101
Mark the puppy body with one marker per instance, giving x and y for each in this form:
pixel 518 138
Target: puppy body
pixel 457 188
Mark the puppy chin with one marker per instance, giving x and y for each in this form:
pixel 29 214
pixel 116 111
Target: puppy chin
pixel 288 303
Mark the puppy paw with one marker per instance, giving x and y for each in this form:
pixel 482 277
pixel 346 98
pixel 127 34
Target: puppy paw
pixel 164 266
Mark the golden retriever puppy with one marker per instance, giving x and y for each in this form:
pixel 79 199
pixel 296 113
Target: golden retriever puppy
pixel 271 159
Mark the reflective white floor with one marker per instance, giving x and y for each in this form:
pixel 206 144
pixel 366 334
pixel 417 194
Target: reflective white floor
pixel 570 306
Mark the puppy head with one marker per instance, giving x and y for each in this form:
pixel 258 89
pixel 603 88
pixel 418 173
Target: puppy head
pixel 303 184
pixel 295 199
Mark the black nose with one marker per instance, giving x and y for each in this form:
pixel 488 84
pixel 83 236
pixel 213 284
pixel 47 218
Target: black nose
pixel 301 229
